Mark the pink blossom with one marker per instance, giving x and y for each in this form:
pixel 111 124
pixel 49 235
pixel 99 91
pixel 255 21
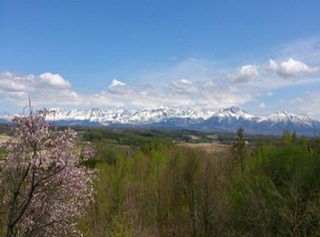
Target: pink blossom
pixel 43 189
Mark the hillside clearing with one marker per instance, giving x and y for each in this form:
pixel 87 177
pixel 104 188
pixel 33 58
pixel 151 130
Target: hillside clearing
pixel 211 148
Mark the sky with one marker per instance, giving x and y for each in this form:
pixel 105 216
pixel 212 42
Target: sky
pixel 263 56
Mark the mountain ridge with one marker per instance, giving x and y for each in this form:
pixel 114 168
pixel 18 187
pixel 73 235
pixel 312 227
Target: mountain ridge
pixel 225 119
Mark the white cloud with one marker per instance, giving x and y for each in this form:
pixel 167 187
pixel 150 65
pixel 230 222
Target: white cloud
pixel 224 98
pixel 49 98
pixel 45 90
pixel 18 97
pixel 55 80
pixel 244 74
pixel 210 84
pixel 70 93
pixel 11 85
pixel 262 105
pixel 293 67
pixel 118 87
pixel 204 96
pixel 290 68
pixel 13 82
pixel 183 86
pixel 308 105
pixel 203 84
pixel 273 66
pixel 204 88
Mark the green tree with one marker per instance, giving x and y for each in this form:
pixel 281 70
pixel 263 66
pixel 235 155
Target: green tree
pixel 286 138
pixel 240 149
pixel 294 138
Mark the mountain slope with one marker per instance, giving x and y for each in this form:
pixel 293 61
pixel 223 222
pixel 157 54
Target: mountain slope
pixel 228 119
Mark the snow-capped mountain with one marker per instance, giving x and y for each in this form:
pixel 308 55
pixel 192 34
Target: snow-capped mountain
pixel 120 115
pixel 283 116
pixel 282 120
pixel 228 119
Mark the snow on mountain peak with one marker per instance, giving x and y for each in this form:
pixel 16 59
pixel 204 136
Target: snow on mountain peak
pixel 191 118
pixel 283 116
pixel 234 112
pixel 234 109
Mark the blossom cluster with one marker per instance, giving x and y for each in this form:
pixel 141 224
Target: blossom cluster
pixel 44 188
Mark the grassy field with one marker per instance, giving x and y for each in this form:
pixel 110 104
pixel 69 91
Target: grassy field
pixel 211 148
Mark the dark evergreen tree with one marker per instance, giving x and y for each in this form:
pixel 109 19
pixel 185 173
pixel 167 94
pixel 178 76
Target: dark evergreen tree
pixel 239 148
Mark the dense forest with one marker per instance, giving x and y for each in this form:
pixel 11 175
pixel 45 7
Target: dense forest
pixel 148 186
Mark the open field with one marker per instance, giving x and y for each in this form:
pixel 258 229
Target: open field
pixel 4 138
pixel 211 148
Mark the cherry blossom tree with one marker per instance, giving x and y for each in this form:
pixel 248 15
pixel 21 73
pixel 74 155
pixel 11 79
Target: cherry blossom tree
pixel 43 188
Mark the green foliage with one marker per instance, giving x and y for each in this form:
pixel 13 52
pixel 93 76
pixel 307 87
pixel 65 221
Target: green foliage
pixel 286 138
pixel 280 184
pixel 5 129
pixel 314 145
pixel 304 142
pixel 294 138
pixel 3 152
pixel 123 137
pixel 239 149
pixel 153 188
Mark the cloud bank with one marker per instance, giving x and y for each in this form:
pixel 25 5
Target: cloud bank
pixel 185 83
pixel 54 80
pixel 290 68
pixel 183 86
pixel 118 87
pixel 244 74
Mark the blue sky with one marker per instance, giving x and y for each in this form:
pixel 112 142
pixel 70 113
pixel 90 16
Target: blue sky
pixel 261 55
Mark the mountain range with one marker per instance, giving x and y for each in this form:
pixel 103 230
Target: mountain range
pixel 207 120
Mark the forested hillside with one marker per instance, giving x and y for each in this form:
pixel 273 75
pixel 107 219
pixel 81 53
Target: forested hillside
pixel 147 186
